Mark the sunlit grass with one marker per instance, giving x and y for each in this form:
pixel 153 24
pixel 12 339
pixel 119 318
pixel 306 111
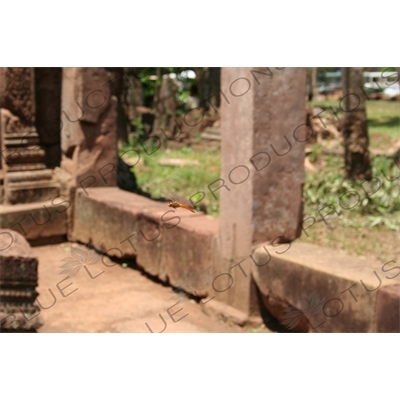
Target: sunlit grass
pixel 383 116
pixel 181 182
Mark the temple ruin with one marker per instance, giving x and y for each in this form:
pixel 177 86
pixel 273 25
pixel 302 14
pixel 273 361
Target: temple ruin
pixel 58 176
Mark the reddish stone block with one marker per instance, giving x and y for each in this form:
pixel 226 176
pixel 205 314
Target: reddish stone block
pixel 262 171
pixel 187 251
pixel 94 93
pixel 17 93
pixel 262 157
pixel 18 281
pixel 89 133
pixel 388 309
pixel 130 225
pixel 108 218
pixel 37 220
pixel 332 292
pixel 173 245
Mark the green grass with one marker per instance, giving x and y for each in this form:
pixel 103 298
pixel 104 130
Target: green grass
pixel 180 182
pixel 359 204
pixel 383 116
pixel 359 224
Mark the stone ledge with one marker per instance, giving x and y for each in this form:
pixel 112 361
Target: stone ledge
pixel 331 291
pixel 173 245
pixel 36 221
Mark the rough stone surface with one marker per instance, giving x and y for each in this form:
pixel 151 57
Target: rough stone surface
pixel 388 309
pixel 37 220
pixel 71 134
pixel 173 245
pixel 31 192
pixel 333 292
pixel 89 133
pixel 30 97
pixel 187 251
pixel 262 167
pixel 18 280
pixel 277 307
pixel 97 159
pixel 261 157
pixel 108 218
pixel 17 93
pixel 233 282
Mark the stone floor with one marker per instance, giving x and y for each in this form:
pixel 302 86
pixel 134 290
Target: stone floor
pixel 112 298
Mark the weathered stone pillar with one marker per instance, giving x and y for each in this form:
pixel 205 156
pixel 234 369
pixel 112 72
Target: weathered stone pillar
pixel 89 132
pixel 18 282
pixel 89 127
pixel 27 177
pixel 261 199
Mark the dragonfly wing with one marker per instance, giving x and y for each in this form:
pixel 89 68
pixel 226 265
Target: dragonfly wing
pixel 188 208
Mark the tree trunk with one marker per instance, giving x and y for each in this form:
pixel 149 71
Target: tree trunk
pixel 313 83
pixel 208 84
pixel 356 141
pixel 165 107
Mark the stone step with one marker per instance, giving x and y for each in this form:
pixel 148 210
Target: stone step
pixel 29 192
pixel 28 176
pixel 21 139
pixel 16 155
pixel 25 141
pixel 26 167
pixel 33 221
pixel 20 135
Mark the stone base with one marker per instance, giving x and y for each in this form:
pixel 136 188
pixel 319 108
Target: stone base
pixel 173 245
pixel 36 221
pixel 20 320
pixel 18 282
pixel 230 314
pixel 303 284
pixel 30 192
pixel 388 309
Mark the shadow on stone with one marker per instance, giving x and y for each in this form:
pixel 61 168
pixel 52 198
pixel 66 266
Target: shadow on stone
pixel 126 179
pixel 268 319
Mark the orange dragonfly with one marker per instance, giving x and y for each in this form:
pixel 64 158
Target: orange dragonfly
pixel 177 204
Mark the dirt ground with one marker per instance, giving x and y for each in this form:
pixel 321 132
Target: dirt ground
pixel 113 298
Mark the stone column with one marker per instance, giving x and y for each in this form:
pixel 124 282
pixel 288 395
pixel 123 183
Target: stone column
pixel 263 140
pixel 26 176
pixel 89 128
pixel 18 282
